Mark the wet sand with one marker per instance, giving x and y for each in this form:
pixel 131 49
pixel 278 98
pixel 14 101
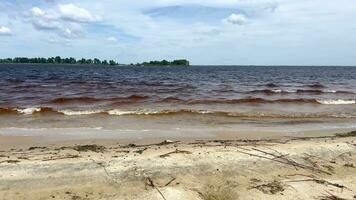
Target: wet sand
pixel 319 167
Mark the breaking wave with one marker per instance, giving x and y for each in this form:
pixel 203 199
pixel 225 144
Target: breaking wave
pixel 143 112
pixel 336 102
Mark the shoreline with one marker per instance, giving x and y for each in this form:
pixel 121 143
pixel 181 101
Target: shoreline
pixel 279 168
pixel 56 137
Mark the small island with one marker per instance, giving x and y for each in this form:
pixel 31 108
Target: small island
pixel 83 61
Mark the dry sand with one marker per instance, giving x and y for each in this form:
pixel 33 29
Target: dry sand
pixel 285 168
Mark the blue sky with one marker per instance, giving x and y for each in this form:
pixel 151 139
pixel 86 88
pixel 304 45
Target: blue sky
pixel 256 32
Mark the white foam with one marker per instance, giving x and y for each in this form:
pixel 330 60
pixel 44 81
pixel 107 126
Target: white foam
pixel 137 112
pixel 336 102
pixel 80 112
pixel 203 111
pixel 120 112
pixel 277 90
pixel 28 111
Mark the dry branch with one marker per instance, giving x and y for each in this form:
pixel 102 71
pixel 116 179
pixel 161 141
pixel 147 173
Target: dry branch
pixel 281 159
pixel 323 182
pixel 150 182
pixel 175 152
pixel 100 164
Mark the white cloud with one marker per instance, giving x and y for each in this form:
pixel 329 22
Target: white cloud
pixel 112 39
pixel 77 14
pixel 280 25
pixel 5 31
pixel 42 24
pixel 36 11
pixel 237 19
pixel 59 22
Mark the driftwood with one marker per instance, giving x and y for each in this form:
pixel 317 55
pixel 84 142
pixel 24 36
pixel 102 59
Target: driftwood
pixel 165 142
pixel 61 158
pixel 10 161
pixel 140 151
pixel 150 183
pixel 281 159
pixel 330 196
pixel 175 152
pixel 169 182
pixel 320 181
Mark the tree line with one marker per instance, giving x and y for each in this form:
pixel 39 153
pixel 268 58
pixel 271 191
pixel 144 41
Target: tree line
pixel 181 62
pixel 57 60
pixel 83 61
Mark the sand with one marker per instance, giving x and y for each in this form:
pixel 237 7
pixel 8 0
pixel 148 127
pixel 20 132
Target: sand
pixel 285 168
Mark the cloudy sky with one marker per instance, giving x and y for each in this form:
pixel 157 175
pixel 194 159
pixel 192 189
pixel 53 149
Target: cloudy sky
pixel 262 32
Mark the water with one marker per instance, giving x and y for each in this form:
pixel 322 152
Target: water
pixel 177 100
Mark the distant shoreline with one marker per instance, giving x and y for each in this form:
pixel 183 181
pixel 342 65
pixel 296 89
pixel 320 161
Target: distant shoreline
pixel 83 61
pixel 134 65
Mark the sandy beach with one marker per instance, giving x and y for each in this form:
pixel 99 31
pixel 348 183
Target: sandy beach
pixel 322 167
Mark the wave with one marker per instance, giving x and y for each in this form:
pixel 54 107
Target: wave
pixel 257 101
pixel 252 101
pixel 336 102
pixel 79 112
pixel 70 100
pixel 28 111
pixel 117 112
pixel 271 85
pixel 316 85
pixel 299 91
pixel 267 91
pixel 73 100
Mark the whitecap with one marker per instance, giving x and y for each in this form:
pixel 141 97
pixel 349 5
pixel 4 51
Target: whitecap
pixel 137 112
pixel 336 102
pixel 120 112
pixel 28 111
pixel 276 90
pixel 80 112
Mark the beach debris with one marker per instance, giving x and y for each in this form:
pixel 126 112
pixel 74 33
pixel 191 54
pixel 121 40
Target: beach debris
pixel 140 151
pixel 351 165
pixel 349 134
pixel 175 152
pixel 34 148
pixel 149 182
pixel 90 147
pixel 85 148
pixel 323 182
pixel 131 145
pixel 122 151
pixel 68 156
pixel 279 157
pixel 102 165
pixel 166 142
pixel 330 196
pixel 312 178
pixel 169 182
pixel 273 187
pixel 10 161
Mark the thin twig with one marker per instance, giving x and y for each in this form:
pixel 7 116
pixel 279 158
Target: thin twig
pixel 106 171
pixel 151 183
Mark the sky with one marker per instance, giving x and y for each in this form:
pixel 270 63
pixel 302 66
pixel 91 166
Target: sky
pixel 206 32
